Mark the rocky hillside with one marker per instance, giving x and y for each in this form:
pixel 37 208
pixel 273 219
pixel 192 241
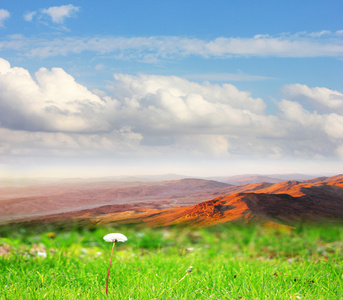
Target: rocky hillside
pixel 287 202
pixel 194 202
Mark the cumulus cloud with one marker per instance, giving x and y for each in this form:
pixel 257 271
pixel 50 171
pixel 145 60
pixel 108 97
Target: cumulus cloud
pixel 228 77
pixel 221 120
pixel 339 151
pixel 4 14
pixel 334 126
pixel 51 101
pixel 163 116
pixel 322 129
pixel 316 98
pixel 214 145
pixel 38 143
pixel 294 111
pixel 169 104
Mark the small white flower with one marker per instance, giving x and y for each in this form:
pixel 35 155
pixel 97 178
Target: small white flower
pixel 115 237
pixel 41 254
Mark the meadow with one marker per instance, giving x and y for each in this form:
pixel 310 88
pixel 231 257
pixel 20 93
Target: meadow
pixel 230 261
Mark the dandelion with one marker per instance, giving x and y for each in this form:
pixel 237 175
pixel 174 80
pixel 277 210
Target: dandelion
pixel 113 238
pixel 188 271
pixel 41 254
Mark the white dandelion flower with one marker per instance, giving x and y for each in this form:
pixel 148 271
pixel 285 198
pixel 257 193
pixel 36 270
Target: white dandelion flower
pixel 115 237
pixel 41 254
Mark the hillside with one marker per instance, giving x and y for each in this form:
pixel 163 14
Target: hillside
pixel 186 201
pixel 287 202
pixel 68 198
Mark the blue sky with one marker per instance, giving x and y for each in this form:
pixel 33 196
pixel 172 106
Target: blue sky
pixel 194 87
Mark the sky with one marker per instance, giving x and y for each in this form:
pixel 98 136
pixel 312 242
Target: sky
pixel 200 88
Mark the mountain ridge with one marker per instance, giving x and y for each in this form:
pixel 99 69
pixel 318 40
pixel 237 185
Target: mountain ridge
pixel 198 202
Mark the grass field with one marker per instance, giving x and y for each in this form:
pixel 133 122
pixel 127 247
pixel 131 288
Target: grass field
pixel 231 261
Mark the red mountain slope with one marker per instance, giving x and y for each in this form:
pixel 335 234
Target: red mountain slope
pixel 286 202
pixel 189 201
pixel 68 199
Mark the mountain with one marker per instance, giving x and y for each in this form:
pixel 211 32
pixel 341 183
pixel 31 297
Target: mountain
pixel 287 203
pixel 63 197
pixel 195 202
pixel 256 178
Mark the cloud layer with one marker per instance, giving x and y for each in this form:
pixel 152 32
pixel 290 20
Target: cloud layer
pixel 154 48
pixel 162 116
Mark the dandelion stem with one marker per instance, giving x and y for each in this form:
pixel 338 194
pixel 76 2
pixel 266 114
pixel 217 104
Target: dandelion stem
pixel 109 268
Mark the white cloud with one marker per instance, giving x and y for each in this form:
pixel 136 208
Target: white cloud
pixel 334 126
pixel 220 120
pixel 295 112
pixel 324 127
pixel 175 105
pixel 210 144
pixel 20 142
pixel 320 33
pixel 164 116
pixel 228 77
pixel 4 14
pixel 317 98
pixel 58 14
pixel 29 16
pixel 152 49
pixel 54 101
pixel 339 151
pixel 99 67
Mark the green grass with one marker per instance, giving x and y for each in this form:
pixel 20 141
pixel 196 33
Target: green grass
pixel 231 261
